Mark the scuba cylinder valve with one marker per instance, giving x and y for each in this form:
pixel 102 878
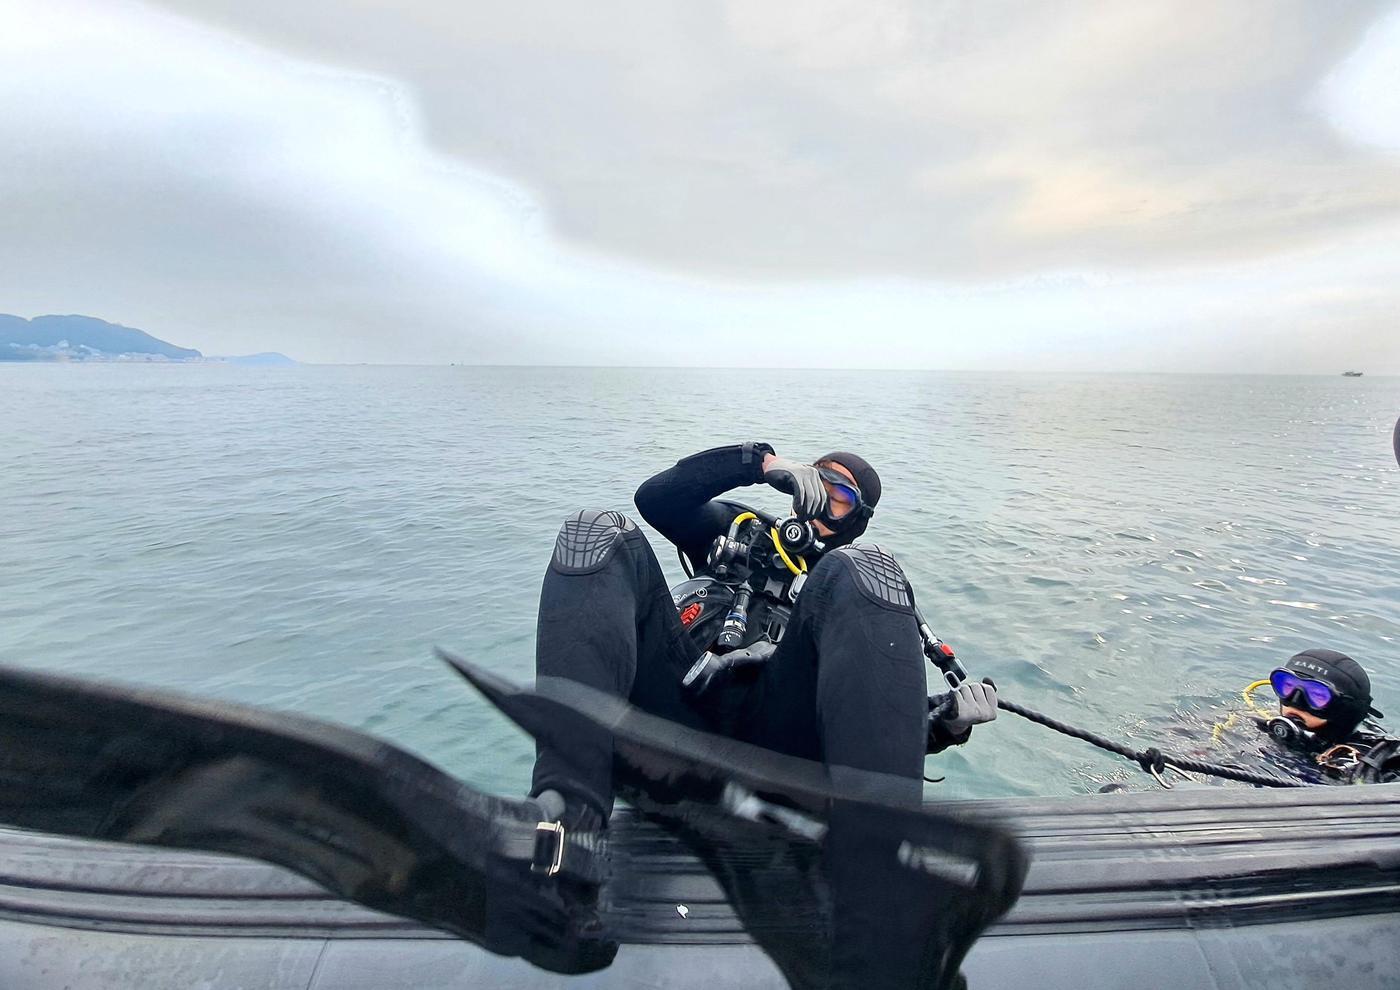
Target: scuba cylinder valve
pixel 728 558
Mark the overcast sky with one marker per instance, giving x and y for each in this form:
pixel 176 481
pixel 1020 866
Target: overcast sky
pixel 868 183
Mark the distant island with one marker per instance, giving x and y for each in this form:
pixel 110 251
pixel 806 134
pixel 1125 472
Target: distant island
pixel 88 339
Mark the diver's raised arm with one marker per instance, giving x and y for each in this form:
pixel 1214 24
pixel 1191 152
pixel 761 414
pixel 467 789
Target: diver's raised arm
pixel 679 502
pixel 802 481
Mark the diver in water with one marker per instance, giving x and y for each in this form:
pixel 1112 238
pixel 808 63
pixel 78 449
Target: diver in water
pixel 1324 721
pixel 790 635
pixel 1324 731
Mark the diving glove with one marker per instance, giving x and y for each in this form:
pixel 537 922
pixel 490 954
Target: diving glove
pixel 802 481
pixel 974 704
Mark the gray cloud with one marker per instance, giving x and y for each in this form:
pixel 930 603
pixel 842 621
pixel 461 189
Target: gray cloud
pixel 875 137
pixel 874 185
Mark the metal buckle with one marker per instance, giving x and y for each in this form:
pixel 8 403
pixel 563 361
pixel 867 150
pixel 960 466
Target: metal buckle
pixel 549 849
pixel 1341 757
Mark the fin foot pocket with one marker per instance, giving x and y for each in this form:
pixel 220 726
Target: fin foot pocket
pixel 842 884
pixel 367 821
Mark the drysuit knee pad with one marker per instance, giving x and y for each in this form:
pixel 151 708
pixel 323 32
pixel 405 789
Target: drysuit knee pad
pixel 878 575
pixel 588 539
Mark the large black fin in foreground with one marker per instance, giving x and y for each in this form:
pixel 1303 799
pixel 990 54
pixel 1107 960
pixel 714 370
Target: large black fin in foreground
pixel 369 822
pixel 836 876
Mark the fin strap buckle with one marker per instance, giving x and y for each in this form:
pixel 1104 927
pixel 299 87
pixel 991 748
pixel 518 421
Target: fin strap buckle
pixel 548 857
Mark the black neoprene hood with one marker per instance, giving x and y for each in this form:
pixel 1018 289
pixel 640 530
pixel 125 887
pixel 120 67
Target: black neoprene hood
pixel 1346 678
pixel 867 480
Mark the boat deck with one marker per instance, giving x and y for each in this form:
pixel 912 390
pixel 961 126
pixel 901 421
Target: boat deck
pixel 1203 887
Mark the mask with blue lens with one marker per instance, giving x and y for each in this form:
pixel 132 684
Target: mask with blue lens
pixel 1302 692
pixel 1328 684
pixel 844 504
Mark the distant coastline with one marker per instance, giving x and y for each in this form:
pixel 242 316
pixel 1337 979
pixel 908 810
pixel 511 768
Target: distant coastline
pixel 86 339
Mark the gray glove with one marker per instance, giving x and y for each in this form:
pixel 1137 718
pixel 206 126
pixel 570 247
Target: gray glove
pixel 975 703
pixel 802 481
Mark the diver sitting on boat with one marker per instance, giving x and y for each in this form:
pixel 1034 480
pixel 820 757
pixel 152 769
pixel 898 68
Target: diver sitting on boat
pixel 789 635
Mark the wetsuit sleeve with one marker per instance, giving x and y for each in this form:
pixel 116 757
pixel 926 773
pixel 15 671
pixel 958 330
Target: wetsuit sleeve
pixel 939 738
pixel 680 501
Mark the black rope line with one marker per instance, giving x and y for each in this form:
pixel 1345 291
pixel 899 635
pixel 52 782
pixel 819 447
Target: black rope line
pixel 1151 760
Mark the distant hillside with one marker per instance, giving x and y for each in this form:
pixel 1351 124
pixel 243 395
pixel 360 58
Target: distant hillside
pixel 263 359
pixel 78 338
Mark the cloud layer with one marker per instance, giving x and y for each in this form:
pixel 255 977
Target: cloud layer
pixel 874 137
pixel 916 185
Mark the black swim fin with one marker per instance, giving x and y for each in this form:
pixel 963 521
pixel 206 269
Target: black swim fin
pixel 369 822
pixel 837 877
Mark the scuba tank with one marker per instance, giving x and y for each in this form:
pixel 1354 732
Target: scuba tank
pixel 708 612
pixel 703 602
pixel 741 603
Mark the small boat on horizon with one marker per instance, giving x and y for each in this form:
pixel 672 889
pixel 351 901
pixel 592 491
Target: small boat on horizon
pixel 1351 374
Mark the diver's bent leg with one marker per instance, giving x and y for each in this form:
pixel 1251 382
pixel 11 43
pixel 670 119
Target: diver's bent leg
pixel 607 621
pixel 846 685
pixel 872 696
pixel 871 714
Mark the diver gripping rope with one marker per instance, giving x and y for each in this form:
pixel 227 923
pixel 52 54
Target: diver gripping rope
pixel 1151 760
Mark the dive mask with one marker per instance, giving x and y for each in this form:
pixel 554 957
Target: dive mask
pixel 1302 692
pixel 844 503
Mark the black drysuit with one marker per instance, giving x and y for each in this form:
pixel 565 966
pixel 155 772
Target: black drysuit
pixel 845 686
pixel 1381 753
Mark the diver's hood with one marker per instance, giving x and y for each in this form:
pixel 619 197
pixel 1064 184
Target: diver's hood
pixel 868 481
pixel 1350 686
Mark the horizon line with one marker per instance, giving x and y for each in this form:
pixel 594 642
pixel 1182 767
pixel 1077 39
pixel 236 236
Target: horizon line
pixel 739 367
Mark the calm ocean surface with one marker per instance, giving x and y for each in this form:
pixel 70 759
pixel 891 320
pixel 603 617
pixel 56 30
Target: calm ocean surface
pixel 1124 552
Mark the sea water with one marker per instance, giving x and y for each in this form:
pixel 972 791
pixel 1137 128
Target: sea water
pixel 1124 552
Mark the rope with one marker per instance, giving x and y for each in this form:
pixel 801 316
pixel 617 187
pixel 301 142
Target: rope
pixel 1152 760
